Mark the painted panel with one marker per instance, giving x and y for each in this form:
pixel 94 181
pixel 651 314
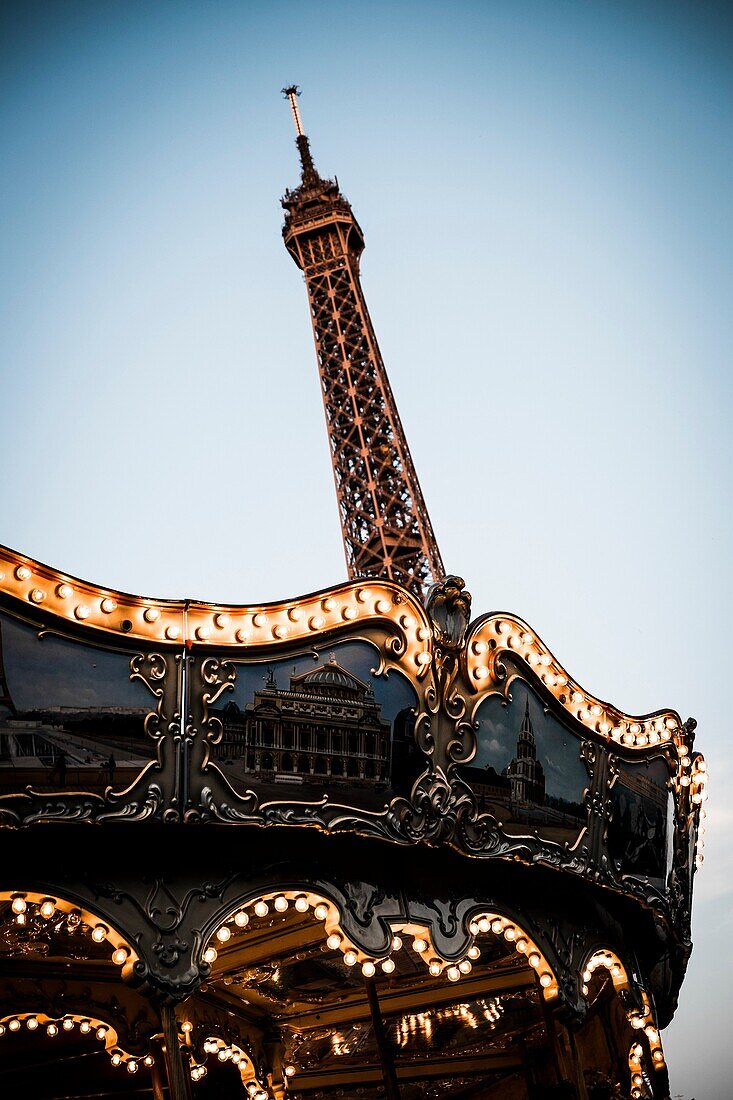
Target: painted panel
pixel 527 771
pixel 71 715
pixel 318 722
pixel 640 832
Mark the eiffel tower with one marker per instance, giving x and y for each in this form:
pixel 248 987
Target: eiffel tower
pixel 6 699
pixel 384 521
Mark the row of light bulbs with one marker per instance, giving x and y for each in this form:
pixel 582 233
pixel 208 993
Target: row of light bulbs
pixel 22 907
pixel 698 798
pixel 328 913
pixel 241 626
pixel 39 1023
pixel 638 1084
pixel 514 636
pixel 638 1020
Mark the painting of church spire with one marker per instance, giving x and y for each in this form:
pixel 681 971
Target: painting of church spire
pixel 525 772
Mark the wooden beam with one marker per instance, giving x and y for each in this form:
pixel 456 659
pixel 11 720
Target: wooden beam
pixel 421 1069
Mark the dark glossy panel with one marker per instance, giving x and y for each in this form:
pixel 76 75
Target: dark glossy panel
pixel 640 832
pixel 72 717
pixel 318 723
pixel 527 771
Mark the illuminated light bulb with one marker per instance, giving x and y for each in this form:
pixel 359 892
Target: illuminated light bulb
pixel 224 933
pixel 550 679
pixel 101 1033
pixel 68 1024
pixel 334 941
pixel 210 955
pixel 481 672
pixel 261 908
pixel 172 633
pixel 349 613
pixel 63 591
pixel 320 912
pixel 604 727
pixel 295 614
pixel 203 632
pixel 521 945
pixel 31 1023
pixel 435 968
pixel 222 620
pixel 616 971
pixel 587 975
pixel 685 761
pixel 132 1066
pixel 108 605
pixel 484 924
pixel 119 956
pixel 14 1025
pixel 151 614
pixel 22 572
pixel 685 780
pixel 20 919
pixel 52 1031
pixel 658 1057
pixel 545 980
pixel 116 1058
pixel 388 966
pixel 186 1027
pixel 382 607
pixel 479 647
pixel 419 945
pixel 533 959
pixel 18 905
pixel 453 974
pixel 350 958
pixel 85 1027
pixel 236 1057
pixel 636 1022
pixel 464 966
pixel 99 933
pixel 473 927
pixel 279 631
pixel 148 1060
pixel 47 909
pixel 532 658
pixel 628 738
pixel 224 1054
pixel 510 933
pixel 585 990
pixel 423 659
pixel 301 903
pixel 289 1071
pixel 36 595
pixel 423 634
pixel 474 952
pixel 641 739
pixel 242 635
pixel 577 697
pixel 496 926
pixel 81 611
pixel 316 622
pixel 396 943
pixel 368 969
pixel 2 1029
pixel 281 903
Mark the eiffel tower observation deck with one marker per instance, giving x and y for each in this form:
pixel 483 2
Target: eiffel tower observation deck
pixel 356 843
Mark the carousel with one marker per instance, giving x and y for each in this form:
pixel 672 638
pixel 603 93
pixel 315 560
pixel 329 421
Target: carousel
pixel 360 843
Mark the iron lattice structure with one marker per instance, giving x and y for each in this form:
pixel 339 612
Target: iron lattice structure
pixel 385 524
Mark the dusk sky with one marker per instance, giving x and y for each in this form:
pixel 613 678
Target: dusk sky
pixel 545 194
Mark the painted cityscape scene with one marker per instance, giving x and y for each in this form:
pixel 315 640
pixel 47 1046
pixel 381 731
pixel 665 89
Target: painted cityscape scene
pixel 320 722
pixel 527 771
pixel 640 832
pixel 70 718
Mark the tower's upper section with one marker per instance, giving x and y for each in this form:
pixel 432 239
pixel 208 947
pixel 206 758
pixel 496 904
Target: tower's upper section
pixel 385 524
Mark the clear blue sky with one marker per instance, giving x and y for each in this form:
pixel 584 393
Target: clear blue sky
pixel 544 190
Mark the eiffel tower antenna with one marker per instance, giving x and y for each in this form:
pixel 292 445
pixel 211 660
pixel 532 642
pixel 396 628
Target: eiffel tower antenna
pixel 384 520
